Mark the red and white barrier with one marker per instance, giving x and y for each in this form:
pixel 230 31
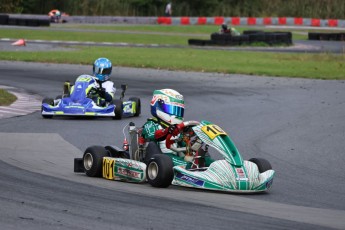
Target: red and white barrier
pixel 239 21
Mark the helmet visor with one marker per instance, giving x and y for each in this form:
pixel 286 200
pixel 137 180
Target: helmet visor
pixel 178 111
pixel 99 70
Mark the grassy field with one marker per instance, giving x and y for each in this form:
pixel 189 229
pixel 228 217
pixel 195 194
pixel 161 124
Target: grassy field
pixel 144 34
pixel 319 66
pixel 6 98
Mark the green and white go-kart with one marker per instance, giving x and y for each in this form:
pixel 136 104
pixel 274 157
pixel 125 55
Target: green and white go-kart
pixel 188 166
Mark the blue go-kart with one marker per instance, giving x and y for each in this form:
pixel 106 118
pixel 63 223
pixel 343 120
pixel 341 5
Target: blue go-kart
pixel 79 100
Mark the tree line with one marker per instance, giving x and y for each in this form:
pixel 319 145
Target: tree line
pixel 325 9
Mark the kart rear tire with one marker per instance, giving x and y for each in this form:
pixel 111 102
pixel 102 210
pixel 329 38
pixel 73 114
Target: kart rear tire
pixel 263 164
pixel 49 101
pixel 151 150
pixel 93 160
pixel 159 171
pixel 118 109
pixel 137 104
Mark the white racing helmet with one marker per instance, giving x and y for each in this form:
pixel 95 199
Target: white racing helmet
pixel 168 105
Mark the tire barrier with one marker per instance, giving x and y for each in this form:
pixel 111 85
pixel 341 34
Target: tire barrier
pixel 20 21
pixel 234 21
pixel 3 19
pixel 248 37
pixel 251 21
pixel 326 36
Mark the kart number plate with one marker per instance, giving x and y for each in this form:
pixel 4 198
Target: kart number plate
pixel 108 168
pixel 212 131
pixel 84 79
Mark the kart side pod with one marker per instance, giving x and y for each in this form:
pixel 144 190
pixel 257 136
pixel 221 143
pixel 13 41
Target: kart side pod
pixel 124 170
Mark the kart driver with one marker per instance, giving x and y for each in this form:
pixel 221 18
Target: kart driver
pixel 104 88
pixel 225 30
pixel 167 108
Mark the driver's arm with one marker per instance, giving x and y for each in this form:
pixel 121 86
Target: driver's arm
pixel 161 134
pixel 109 91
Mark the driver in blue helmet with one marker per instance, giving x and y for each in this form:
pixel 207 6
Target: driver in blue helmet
pixel 104 88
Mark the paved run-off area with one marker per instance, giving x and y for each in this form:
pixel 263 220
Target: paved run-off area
pixel 26 103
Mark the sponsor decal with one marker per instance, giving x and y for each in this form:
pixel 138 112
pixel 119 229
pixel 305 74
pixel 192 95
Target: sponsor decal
pixel 241 175
pixel 177 104
pixel 269 183
pixel 180 97
pixel 190 180
pixel 156 97
pixel 75 104
pixel 128 108
pixel 128 173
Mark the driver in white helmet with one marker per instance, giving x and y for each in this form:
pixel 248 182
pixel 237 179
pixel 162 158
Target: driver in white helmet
pixel 167 109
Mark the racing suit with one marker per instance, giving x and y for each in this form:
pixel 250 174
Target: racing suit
pixel 157 131
pixel 106 92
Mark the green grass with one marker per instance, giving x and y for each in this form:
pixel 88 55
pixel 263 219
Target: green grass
pixel 94 37
pixel 171 29
pixel 318 66
pixel 174 35
pixel 6 98
pixel 204 29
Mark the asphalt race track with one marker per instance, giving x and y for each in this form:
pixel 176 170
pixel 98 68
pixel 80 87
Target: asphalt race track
pixel 297 124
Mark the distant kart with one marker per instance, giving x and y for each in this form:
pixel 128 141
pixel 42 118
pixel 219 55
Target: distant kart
pixel 76 101
pixel 190 166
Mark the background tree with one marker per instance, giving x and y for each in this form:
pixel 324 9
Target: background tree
pixel 228 8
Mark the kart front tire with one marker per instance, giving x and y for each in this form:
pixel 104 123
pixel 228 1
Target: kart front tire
pixel 118 109
pixel 159 171
pixel 137 105
pixel 49 101
pixel 93 160
pixel 263 164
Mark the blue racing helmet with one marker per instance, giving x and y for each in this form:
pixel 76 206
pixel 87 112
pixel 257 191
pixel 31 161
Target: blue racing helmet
pixel 102 68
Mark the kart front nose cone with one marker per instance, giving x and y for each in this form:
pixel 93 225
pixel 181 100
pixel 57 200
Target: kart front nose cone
pixel 88 161
pixel 152 170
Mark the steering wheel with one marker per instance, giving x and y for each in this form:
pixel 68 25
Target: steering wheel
pixel 183 127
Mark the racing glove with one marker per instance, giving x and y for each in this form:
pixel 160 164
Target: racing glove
pixel 173 130
pixel 93 93
pixel 101 92
pixel 161 135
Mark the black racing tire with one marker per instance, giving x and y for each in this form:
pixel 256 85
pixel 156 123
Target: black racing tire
pixel 93 160
pixel 12 21
pixel 43 22
pixel 263 164
pixel 151 150
pixel 31 22
pixel 4 19
pixel 118 109
pixel 200 42
pixel 313 36
pixel 252 32
pixel 58 97
pixel 160 171
pixel 21 22
pixel 137 104
pixel 49 101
